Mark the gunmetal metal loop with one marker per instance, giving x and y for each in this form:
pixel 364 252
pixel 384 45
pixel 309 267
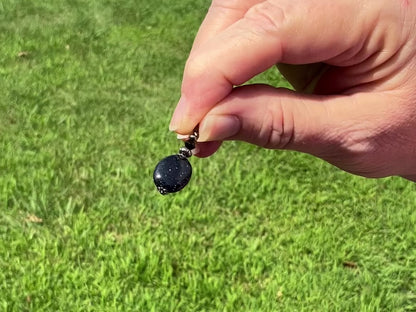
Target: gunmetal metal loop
pixel 185 152
pixel 190 143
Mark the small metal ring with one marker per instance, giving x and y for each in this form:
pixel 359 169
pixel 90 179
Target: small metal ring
pixel 185 152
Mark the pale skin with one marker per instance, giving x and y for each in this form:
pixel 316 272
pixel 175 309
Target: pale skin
pixel 352 62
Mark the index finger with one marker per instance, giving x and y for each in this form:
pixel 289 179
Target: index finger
pixel 222 14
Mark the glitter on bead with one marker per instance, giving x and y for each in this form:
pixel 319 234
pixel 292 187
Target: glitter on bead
pixel 174 172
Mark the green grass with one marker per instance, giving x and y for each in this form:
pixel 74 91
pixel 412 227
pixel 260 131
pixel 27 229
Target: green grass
pixel 84 120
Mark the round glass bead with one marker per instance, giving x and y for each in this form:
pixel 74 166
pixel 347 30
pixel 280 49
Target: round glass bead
pixel 172 174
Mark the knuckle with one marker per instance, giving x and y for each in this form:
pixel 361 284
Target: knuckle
pixel 359 152
pixel 277 130
pixel 226 4
pixel 195 67
pixel 267 16
pixel 356 142
pixel 196 70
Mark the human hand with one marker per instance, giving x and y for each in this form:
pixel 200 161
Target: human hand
pixel 356 56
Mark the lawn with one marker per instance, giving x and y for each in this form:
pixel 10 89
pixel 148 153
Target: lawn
pixel 87 91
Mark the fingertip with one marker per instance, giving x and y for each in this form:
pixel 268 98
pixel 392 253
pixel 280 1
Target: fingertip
pixel 186 117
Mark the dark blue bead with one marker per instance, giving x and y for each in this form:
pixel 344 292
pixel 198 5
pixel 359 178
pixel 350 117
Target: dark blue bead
pixel 172 174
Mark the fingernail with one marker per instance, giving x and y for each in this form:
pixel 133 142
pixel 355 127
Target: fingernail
pixel 177 114
pixel 182 136
pixel 219 127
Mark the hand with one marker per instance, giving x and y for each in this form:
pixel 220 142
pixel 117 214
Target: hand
pixel 356 57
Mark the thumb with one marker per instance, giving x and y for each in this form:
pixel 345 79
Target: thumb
pixel 334 128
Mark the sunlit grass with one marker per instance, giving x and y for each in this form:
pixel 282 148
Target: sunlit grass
pixel 87 90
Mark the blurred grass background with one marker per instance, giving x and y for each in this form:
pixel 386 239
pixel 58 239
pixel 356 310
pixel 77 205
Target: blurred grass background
pixel 87 90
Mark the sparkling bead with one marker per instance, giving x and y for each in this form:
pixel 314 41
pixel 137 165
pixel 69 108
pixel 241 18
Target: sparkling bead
pixel 172 174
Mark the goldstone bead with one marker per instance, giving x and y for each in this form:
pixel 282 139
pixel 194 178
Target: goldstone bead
pixel 172 174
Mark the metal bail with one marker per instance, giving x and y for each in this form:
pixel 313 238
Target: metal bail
pixel 190 144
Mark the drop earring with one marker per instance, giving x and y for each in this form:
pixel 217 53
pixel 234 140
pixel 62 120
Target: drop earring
pixel 174 172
